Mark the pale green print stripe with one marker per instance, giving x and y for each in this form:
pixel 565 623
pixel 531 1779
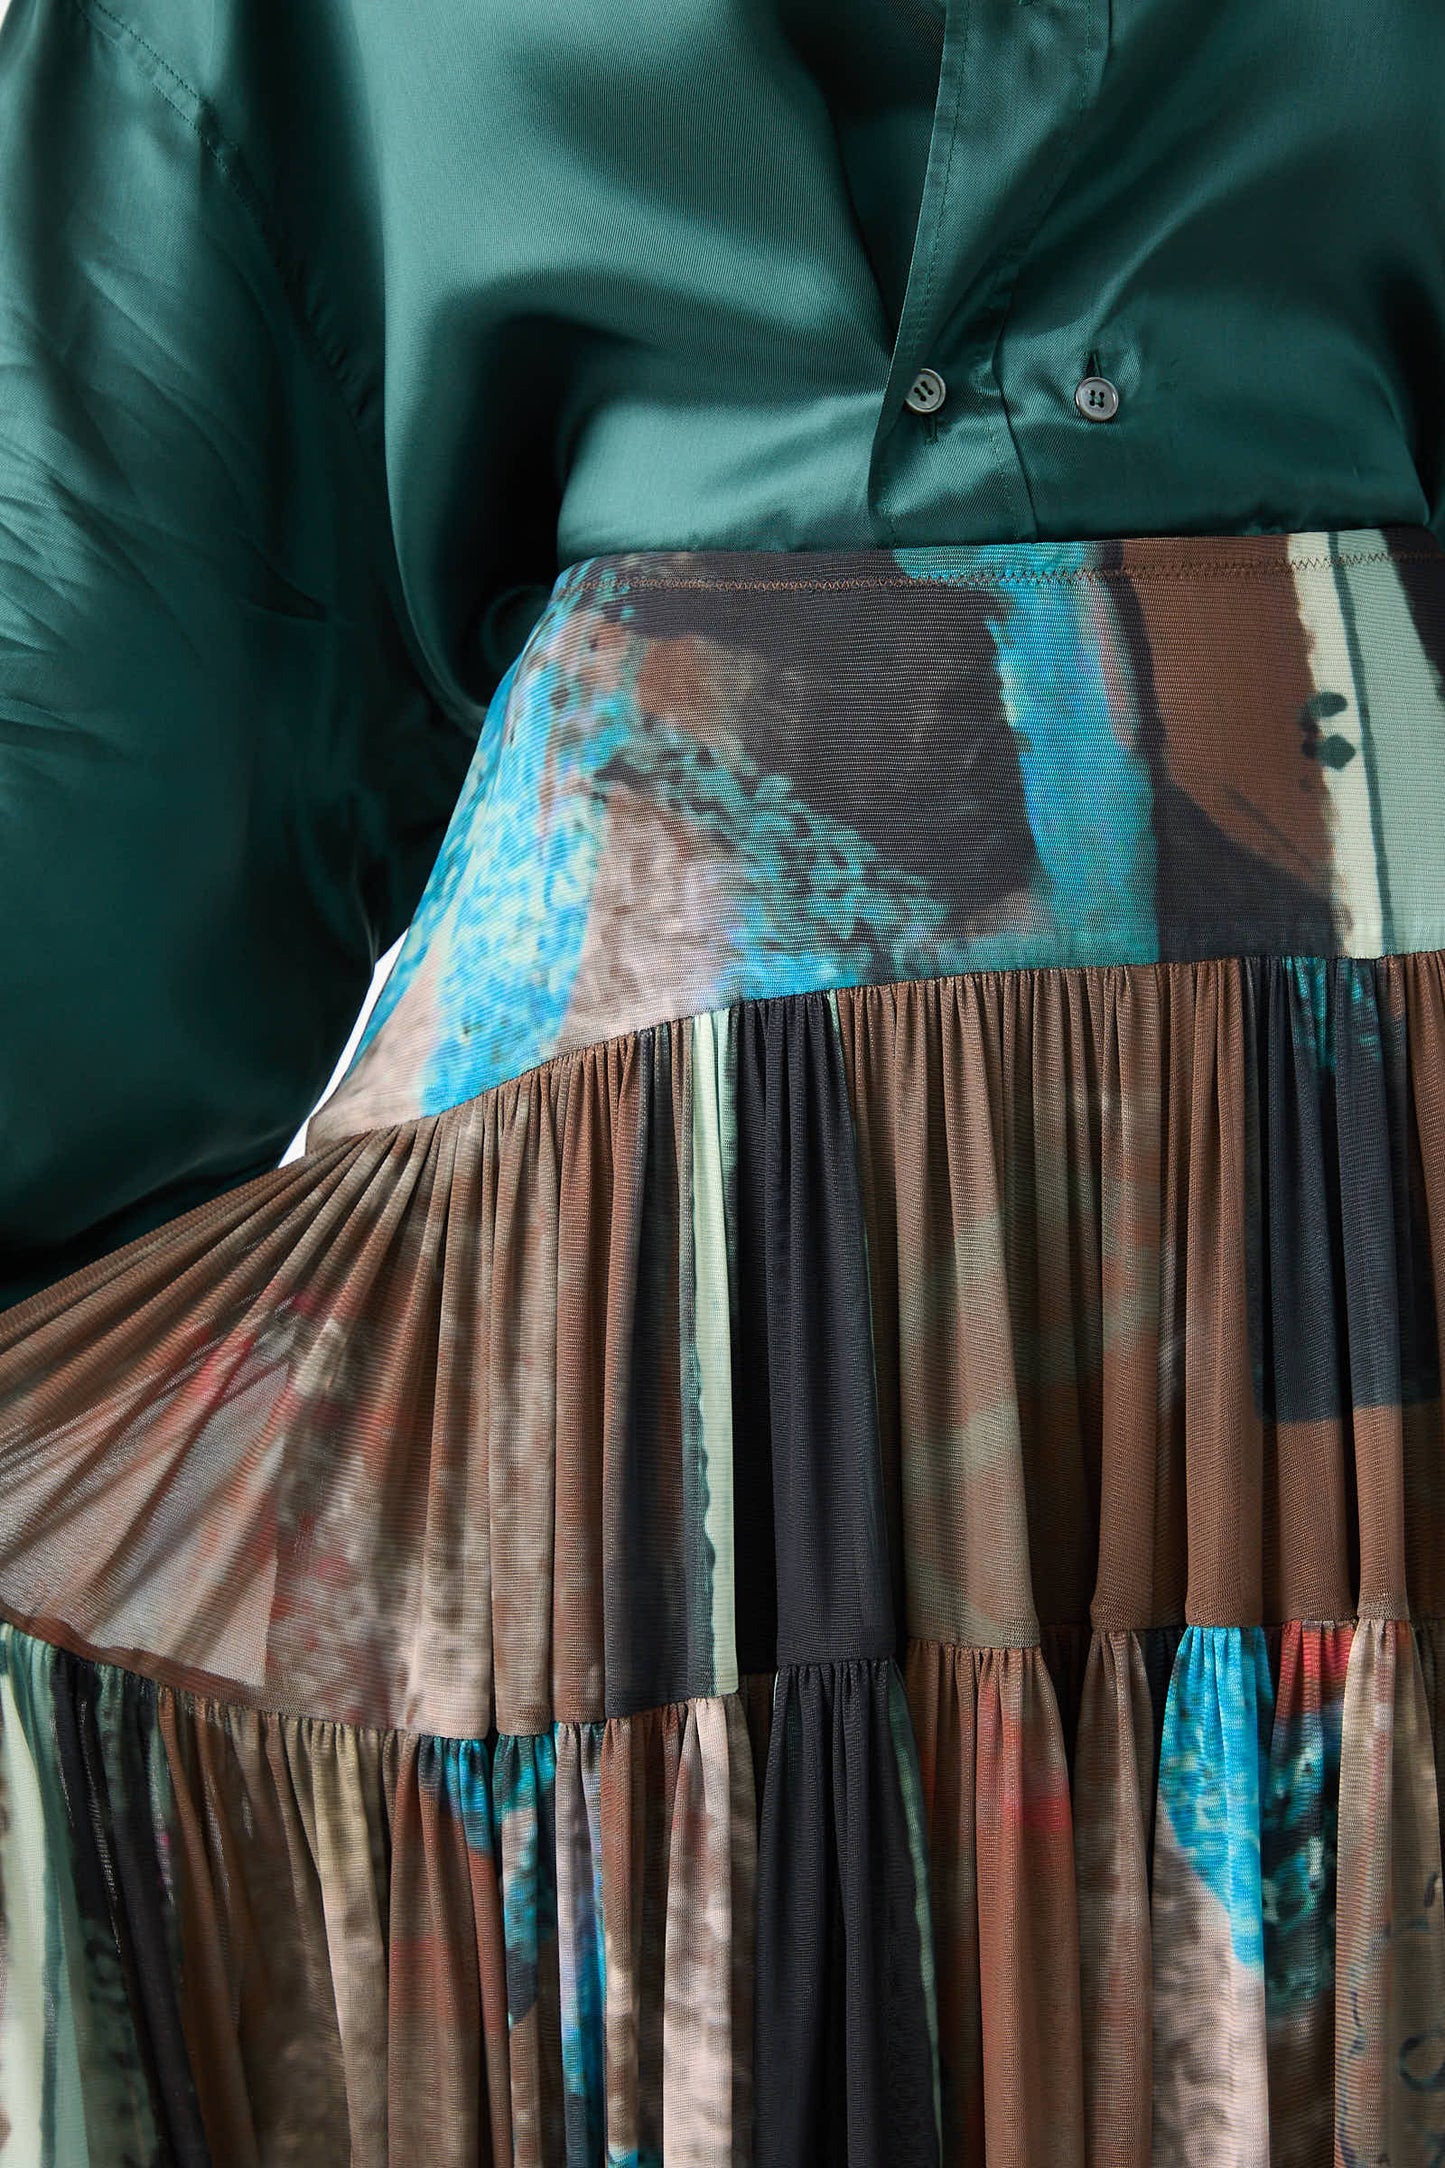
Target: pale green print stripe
pixel 63 2138
pixel 905 1750
pixel 24 1881
pixel 1356 898
pixel 712 1121
pixel 1367 748
pixel 1402 715
pixel 867 1249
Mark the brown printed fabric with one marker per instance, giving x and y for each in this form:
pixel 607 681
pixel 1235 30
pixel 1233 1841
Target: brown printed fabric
pixel 855 1575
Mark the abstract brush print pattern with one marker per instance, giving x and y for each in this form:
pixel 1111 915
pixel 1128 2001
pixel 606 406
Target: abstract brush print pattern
pixel 828 769
pixel 811 1534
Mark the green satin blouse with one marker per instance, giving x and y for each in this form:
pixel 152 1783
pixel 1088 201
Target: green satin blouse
pixel 330 330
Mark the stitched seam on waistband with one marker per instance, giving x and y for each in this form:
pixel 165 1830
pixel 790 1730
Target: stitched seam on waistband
pixel 1241 568
pixel 39 1309
pixel 974 974
pixel 167 1677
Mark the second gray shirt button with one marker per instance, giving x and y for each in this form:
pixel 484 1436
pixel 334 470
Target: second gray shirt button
pixel 926 393
pixel 1096 399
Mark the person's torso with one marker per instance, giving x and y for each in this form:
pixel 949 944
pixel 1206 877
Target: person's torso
pixel 662 273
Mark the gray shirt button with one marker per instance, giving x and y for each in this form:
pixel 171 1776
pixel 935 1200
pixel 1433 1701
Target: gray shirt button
pixel 926 393
pixel 1096 399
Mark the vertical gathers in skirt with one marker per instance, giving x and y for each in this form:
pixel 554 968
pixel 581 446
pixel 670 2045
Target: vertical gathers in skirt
pixel 812 1531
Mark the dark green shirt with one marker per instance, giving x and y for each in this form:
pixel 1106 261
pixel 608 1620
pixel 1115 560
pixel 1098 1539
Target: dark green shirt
pixel 330 330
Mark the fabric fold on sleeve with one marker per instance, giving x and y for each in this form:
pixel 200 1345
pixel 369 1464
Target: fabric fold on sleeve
pixel 222 777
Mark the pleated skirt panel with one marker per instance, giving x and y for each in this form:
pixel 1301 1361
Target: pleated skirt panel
pixel 812 1531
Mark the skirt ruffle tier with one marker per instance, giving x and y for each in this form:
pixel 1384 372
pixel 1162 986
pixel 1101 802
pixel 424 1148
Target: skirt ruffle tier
pixel 870 1557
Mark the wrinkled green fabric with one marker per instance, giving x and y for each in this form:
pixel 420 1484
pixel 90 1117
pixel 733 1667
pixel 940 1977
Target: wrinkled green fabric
pixel 331 329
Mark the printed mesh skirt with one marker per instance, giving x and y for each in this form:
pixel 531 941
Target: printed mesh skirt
pixel 812 1531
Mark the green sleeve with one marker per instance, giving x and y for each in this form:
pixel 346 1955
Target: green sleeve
pixel 222 777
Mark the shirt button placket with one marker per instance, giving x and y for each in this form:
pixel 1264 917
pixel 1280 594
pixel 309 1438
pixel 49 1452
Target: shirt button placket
pixel 951 452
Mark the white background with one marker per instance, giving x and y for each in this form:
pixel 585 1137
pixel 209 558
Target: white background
pixel 298 1142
